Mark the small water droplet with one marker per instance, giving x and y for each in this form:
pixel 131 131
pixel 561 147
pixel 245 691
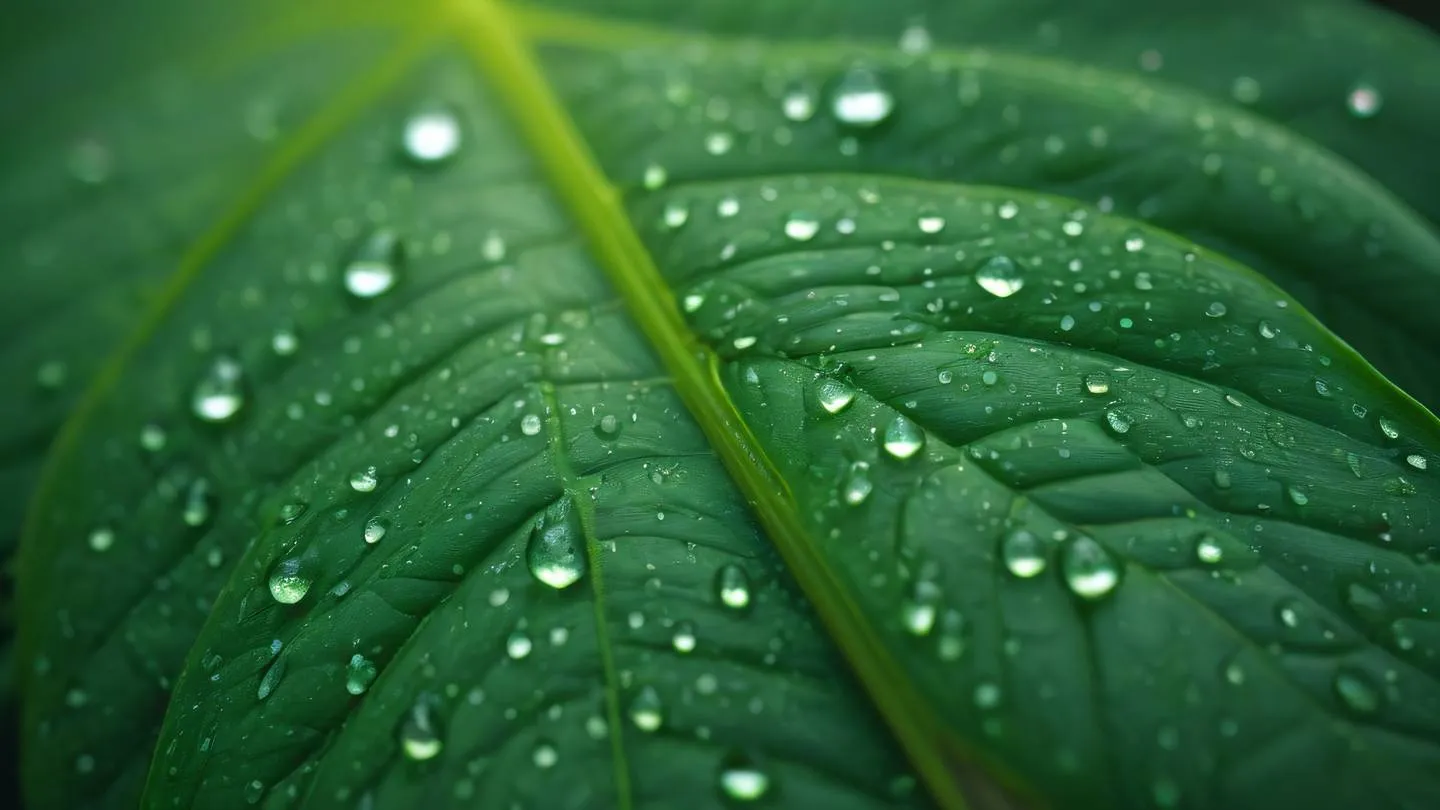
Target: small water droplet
pixel 374 268
pixel 920 607
pixel 1097 382
pixel 1357 691
pixel 364 480
pixel 518 644
pixel 199 503
pixel 1118 422
pixel 607 427
pixel 530 424
pixel 545 755
pixel 102 538
pixel 798 103
pixel 931 223
pixel 220 393
pixel 359 674
pixel 857 486
pixel 290 580
pixel 375 529
pixel 742 779
pixel 1389 428
pixel 1417 461
pixel 1208 551
pixel 646 710
pixel 861 99
pixel 654 177
pixel 1245 90
pixel 556 551
pixel 419 733
pixel 1089 570
pixel 1134 242
pixel 903 438
pixel 152 438
pixel 675 215
pixel 1363 101
pixel 835 396
pixel 431 135
pixel 1216 310
pixel 1000 277
pixel 684 639
pixel 732 585
pixel 801 226
pixel 1024 553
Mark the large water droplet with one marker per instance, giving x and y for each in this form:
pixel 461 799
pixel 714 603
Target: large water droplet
pixel 419 733
pixel 732 585
pixel 556 551
pixel 835 396
pixel 359 674
pixel 741 778
pixel 861 99
pixel 431 135
pixel 903 438
pixel 375 267
pixel 364 480
pixel 1024 553
pixel 291 579
pixel 220 392
pixel 684 639
pixel 375 529
pixel 1000 277
pixel 646 710
pixel 1089 570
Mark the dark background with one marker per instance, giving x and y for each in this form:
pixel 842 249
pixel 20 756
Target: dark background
pixel 1425 11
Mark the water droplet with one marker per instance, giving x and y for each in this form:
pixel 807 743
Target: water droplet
pixel 931 223
pixel 1389 428
pixel 431 135
pixel 1357 691
pixel 272 677
pixel 545 755
pixel 1215 310
pixel 741 778
pixel 364 480
pixel 798 103
pixel 374 268
pixel 1245 90
pixel 1417 461
pixel 860 99
pixel 1089 570
pixel 903 438
pixel 646 710
pixel 1118 422
pixel 375 529
pixel 857 486
pixel 419 733
pixel 835 396
pixel 102 539
pixel 920 607
pixel 1000 277
pixel 684 639
pixel 556 552
pixel 1363 101
pixel 152 438
pixel 1097 382
pixel 801 227
pixel 675 215
pixel 732 585
pixel 1208 551
pixel 290 580
pixel 719 142
pixel 220 393
pixel 359 674
pixel 199 503
pixel 518 644
pixel 1024 553
pixel 530 424
pixel 654 177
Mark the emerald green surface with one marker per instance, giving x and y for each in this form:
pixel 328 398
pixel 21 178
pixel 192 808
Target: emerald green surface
pixel 979 405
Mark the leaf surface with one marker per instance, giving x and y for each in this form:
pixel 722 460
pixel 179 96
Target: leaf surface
pixel 475 469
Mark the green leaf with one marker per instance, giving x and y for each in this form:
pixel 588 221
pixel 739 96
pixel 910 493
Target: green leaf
pixel 539 409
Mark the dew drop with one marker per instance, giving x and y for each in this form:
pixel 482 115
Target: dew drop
pixel 920 607
pixel 675 215
pixel 741 778
pixel 102 539
pixel 1117 422
pixel 732 585
pixel 950 644
pixel 152 438
pixel 801 226
pixel 646 710
pixel 903 438
pixel 1208 551
pixel 1134 242
pixel 364 480
pixel 607 427
pixel 1000 277
pixel 518 644
pixel 1097 382
pixel 1417 461
pixel 530 424
pixel 1356 690
pixel 1089 570
pixel 419 734
pixel 290 580
pixel 199 503
pixel 798 103
pixel 684 638
pixel 1024 553
pixel 861 99
pixel 431 136
pixel 375 529
pixel 835 396
pixel 857 486
pixel 374 269
pixel 359 674
pixel 1216 310
pixel 545 755
pixel 1388 427
pixel 220 393
pixel 556 551
pixel 1363 101
pixel 654 177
